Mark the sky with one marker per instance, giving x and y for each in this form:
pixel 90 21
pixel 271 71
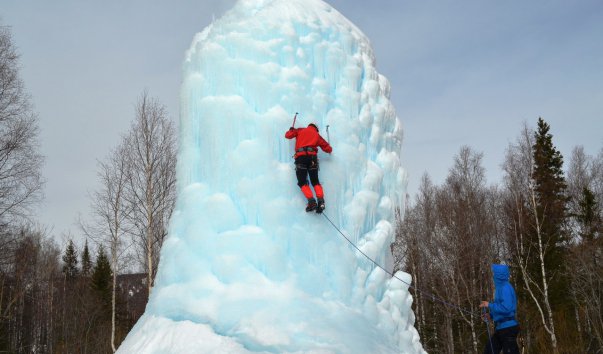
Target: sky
pixel 461 72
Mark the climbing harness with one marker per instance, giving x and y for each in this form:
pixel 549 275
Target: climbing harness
pixel 306 149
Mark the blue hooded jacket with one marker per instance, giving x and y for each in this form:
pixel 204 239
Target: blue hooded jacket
pixel 504 306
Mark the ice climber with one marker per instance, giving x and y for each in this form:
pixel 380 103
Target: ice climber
pixel 502 312
pixel 307 141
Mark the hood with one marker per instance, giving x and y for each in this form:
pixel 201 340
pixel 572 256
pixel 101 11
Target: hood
pixel 500 273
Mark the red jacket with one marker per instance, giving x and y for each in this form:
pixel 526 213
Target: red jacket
pixel 307 138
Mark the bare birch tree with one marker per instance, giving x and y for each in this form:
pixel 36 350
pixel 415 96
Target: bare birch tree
pixel 597 176
pixel 25 314
pixel 151 151
pixel 110 214
pixel 463 201
pixel 579 172
pixel 20 161
pixel 413 245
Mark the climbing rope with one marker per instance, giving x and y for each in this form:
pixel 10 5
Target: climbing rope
pixel 422 292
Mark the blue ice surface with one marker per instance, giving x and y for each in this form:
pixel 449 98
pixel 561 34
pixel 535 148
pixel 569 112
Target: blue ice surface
pixel 245 269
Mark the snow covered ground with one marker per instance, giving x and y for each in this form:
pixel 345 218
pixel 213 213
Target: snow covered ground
pixel 245 269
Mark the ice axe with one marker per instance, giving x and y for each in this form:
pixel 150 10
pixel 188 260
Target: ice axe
pixel 328 138
pixel 294 118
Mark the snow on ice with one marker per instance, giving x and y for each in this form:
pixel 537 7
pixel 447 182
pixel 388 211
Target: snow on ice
pixel 245 269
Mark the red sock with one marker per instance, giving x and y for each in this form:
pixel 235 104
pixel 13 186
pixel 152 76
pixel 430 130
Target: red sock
pixel 307 191
pixel 319 191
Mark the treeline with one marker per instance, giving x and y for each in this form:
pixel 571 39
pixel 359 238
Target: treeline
pixel 546 224
pixel 79 299
pixel 51 305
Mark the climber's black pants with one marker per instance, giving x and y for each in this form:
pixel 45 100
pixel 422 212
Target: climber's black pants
pixel 504 339
pixel 306 165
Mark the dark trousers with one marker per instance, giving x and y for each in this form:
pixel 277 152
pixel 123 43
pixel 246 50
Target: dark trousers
pixel 503 339
pixel 306 165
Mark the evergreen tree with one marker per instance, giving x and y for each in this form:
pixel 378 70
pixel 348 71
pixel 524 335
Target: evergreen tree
pixel 587 270
pixel 86 261
pixel 589 217
pixel 102 278
pixel 551 201
pixel 70 261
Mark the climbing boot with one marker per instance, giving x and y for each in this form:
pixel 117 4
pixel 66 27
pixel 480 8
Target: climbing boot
pixel 311 204
pixel 321 205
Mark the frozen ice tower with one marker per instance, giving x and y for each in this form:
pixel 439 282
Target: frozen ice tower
pixel 245 269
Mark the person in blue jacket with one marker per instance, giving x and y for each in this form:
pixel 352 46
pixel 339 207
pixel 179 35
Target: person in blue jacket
pixel 502 311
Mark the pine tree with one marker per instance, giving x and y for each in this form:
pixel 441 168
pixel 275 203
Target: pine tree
pixel 551 201
pixel 86 261
pixel 587 271
pixel 101 278
pixel 589 216
pixel 70 268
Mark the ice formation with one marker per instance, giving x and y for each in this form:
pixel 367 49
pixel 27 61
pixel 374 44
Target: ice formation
pixel 245 269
